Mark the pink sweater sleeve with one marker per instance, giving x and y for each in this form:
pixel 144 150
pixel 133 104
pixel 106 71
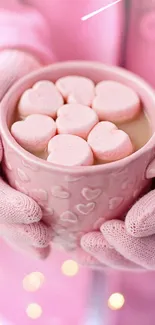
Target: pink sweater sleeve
pixel 25 29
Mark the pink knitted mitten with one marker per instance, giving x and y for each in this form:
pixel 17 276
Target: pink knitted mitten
pixel 129 244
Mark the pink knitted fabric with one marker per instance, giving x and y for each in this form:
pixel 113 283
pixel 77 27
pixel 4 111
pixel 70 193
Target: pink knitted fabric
pixel 53 31
pixel 31 251
pixel 86 259
pixel 24 28
pixel 14 65
pixel 95 244
pixel 17 208
pixel 138 250
pixel 140 220
pixel 20 220
pixel 129 244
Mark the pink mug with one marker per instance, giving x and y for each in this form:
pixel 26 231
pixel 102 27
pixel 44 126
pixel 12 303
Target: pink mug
pixel 78 200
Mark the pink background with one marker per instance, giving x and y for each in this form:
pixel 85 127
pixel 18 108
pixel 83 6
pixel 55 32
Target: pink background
pixel 69 300
pixel 62 298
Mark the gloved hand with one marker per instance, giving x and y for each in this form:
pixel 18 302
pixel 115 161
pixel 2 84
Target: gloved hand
pixel 14 64
pixel 124 245
pixel 20 216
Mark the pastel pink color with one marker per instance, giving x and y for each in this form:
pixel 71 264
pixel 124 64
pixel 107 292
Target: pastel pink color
pixel 76 89
pixel 76 119
pixel 69 150
pixel 115 102
pixel 108 143
pixel 15 64
pixel 83 194
pixel 34 132
pixel 140 50
pixel 128 244
pixel 55 295
pixel 42 98
pixel 20 222
pixel 37 27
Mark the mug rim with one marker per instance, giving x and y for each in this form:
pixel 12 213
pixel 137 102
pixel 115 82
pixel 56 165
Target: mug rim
pixel 30 158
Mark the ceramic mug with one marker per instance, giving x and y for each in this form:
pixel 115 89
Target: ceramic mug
pixel 78 200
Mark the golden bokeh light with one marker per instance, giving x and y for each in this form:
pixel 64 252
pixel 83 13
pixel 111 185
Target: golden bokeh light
pixel 34 311
pixel 70 268
pixel 116 301
pixel 33 281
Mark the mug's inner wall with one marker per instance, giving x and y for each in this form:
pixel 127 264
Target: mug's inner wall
pixel 97 74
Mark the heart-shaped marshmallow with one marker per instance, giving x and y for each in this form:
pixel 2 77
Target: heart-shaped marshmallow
pixel 43 98
pixel 34 133
pixel 108 143
pixel 69 150
pixel 76 89
pixel 115 102
pixel 76 119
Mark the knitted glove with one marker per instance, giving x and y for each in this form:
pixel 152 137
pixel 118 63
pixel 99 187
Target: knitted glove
pixel 124 245
pixel 20 216
pixel 14 64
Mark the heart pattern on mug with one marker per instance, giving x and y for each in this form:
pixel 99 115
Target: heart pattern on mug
pixel 125 185
pixel 7 165
pixel 136 192
pixel 39 195
pixel 60 192
pixel 22 175
pixel 69 216
pixel 98 223
pixel 69 178
pixel 48 211
pixel 20 188
pixel 58 231
pixel 91 194
pixel 115 202
pixel 64 244
pixel 32 167
pixel 85 208
pixel 150 170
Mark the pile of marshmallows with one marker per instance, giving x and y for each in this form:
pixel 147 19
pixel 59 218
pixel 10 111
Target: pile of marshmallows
pixel 73 120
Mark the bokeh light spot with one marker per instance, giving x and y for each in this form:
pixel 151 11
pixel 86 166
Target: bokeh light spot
pixel 70 268
pixel 34 311
pixel 116 301
pixel 33 281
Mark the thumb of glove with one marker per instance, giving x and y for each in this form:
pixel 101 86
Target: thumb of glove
pixel 14 64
